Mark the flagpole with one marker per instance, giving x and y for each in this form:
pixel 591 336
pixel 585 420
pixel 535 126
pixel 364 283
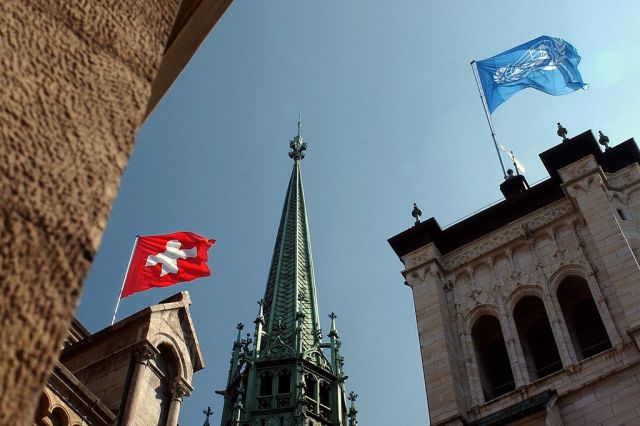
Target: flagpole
pixel 124 279
pixel 486 113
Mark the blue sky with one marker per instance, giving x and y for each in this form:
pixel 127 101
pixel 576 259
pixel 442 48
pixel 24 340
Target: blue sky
pixel 392 116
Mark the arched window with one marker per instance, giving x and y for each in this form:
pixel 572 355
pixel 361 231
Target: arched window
pixel 536 337
pixel 43 410
pixel 495 369
pixel 580 312
pixel 284 381
pixel 59 417
pixel 266 383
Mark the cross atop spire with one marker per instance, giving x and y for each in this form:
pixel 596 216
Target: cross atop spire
pixel 297 144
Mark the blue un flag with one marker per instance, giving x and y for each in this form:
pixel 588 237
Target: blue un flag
pixel 548 64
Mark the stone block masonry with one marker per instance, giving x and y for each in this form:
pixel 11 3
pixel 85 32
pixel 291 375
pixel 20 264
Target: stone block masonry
pixel 75 78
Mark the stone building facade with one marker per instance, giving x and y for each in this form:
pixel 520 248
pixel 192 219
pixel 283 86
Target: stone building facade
pixel 528 312
pixel 135 372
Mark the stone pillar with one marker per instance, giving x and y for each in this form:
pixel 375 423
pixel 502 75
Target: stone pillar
pixel 179 389
pixel 135 393
pixel 440 346
pixel 76 77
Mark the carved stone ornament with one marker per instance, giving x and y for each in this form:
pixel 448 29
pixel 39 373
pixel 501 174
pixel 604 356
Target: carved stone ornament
pixel 420 256
pixel 180 388
pixel 585 186
pixel 145 351
pixel 624 177
pixel 507 234
pixel 578 169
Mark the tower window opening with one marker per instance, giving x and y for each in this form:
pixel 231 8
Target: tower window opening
pixel 324 393
pixel 536 337
pixel 284 381
pixel 310 387
pixel 588 334
pixel 493 360
pixel 266 383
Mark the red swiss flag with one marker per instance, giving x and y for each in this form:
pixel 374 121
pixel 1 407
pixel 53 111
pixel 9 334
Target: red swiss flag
pixel 164 260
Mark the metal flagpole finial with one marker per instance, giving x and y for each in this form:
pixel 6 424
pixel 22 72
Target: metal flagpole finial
pixel 299 122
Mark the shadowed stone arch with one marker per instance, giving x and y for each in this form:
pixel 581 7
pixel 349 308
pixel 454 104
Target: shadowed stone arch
pixel 478 311
pixel 582 317
pixel 564 271
pixel 523 290
pixel 536 336
pixel 176 351
pixel 59 417
pixel 492 358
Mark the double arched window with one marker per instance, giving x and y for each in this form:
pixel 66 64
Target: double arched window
pixel 542 358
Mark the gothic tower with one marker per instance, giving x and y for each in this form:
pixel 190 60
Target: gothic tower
pixel 528 311
pixel 286 375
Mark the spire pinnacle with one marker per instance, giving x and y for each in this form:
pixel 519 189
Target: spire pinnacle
pixel 333 332
pixel 297 144
pixel 207 413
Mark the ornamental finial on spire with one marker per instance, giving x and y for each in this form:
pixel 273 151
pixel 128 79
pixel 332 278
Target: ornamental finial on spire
pixel 297 144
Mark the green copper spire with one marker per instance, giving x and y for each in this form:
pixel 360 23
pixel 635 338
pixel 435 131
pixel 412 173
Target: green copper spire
pixel 290 296
pixel 286 375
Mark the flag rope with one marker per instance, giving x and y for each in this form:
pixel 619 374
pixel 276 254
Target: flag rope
pixel 124 279
pixel 486 113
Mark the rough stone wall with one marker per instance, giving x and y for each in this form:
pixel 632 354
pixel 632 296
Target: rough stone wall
pixel 593 234
pixel 75 78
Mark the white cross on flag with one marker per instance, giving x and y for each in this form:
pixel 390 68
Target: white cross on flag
pixel 164 260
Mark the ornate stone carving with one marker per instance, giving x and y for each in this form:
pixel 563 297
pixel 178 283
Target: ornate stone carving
pixel 624 177
pixel 145 351
pixel 578 169
pixel 180 388
pixel 506 234
pixel 585 185
pixel 420 256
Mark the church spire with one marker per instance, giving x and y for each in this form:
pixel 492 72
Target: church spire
pixel 289 376
pixel 290 307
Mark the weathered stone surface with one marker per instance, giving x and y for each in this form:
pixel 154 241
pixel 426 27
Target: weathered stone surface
pixel 75 78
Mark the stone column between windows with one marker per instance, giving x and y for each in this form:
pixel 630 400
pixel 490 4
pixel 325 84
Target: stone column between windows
pixel 135 394
pixel 507 327
pixel 179 389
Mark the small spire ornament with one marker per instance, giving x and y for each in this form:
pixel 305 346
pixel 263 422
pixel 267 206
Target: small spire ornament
pixel 562 132
pixel 603 140
pixel 297 144
pixel 416 213
pixel 207 413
